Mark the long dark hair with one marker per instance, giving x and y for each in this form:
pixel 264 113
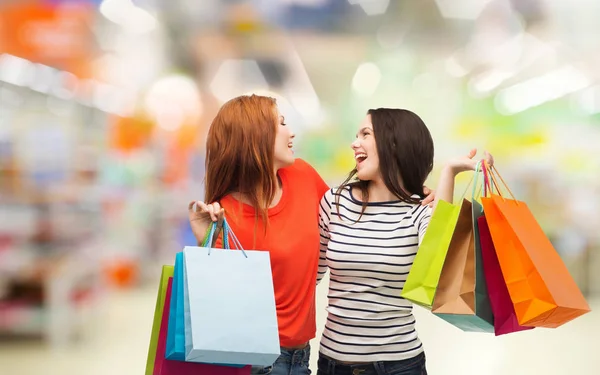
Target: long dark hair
pixel 405 150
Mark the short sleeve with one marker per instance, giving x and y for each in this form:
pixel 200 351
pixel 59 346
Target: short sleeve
pixel 324 216
pixel 421 217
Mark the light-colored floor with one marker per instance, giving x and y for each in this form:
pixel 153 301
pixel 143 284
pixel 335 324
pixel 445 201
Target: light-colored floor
pixel 118 345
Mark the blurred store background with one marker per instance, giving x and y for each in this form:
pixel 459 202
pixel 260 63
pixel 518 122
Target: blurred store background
pixel 105 105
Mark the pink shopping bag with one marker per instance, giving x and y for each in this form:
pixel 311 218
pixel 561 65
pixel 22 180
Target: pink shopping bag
pixel 505 318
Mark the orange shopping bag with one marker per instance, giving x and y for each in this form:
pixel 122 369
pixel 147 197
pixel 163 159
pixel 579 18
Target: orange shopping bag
pixel 541 289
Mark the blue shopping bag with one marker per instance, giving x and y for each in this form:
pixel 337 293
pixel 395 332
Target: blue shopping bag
pixel 229 305
pixel 175 346
pixel 176 330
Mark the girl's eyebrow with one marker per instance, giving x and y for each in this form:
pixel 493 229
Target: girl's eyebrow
pixel 363 129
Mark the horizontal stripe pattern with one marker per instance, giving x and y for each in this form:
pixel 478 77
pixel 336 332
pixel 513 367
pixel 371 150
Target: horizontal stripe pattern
pixel 368 262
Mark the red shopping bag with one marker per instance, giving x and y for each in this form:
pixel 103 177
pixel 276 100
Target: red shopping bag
pixel 505 318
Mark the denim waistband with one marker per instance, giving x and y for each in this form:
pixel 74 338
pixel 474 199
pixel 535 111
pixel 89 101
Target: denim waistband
pixel 296 355
pixel 332 366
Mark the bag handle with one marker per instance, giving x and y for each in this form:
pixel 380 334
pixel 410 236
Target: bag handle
pixel 234 238
pixel 487 185
pixel 227 232
pixel 493 172
pixel 467 188
pixel 473 181
pixel 482 188
pixel 491 185
pixel 209 236
pixel 478 169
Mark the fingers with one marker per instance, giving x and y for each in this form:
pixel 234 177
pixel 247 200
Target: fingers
pixel 197 206
pixel 472 153
pixel 489 159
pixel 214 210
pixel 220 216
pixel 428 200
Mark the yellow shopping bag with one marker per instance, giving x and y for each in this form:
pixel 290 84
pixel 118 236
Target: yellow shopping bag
pixel 167 272
pixel 424 276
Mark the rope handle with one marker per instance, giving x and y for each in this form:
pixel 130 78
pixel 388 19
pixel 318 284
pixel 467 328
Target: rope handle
pixel 227 233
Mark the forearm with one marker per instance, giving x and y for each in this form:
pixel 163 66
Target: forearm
pixel 445 187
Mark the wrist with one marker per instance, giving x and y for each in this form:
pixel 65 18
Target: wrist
pixel 450 170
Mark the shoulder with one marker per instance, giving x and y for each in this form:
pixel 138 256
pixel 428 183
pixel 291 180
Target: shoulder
pixel 341 195
pixel 330 194
pixel 301 166
pixel 331 201
pixel 420 213
pixel 419 209
pixel 303 174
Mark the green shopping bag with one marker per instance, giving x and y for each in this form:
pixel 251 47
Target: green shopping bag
pixel 167 272
pixel 422 281
pixel 483 306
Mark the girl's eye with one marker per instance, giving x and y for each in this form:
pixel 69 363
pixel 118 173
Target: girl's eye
pixel 283 123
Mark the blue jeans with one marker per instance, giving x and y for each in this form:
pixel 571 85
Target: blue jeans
pixel 290 362
pixel 412 366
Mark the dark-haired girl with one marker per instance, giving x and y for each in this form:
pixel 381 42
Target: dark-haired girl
pixel 370 228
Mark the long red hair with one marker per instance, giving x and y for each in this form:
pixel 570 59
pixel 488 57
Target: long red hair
pixel 240 152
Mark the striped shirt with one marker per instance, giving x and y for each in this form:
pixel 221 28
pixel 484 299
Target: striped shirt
pixel 369 260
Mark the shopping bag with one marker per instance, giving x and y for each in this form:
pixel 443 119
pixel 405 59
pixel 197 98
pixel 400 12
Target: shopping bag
pixel 541 289
pixel 505 318
pixel 163 366
pixel 229 305
pixel 176 328
pixel 461 297
pixel 422 281
pixel 483 305
pixel 167 272
pixel 176 333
